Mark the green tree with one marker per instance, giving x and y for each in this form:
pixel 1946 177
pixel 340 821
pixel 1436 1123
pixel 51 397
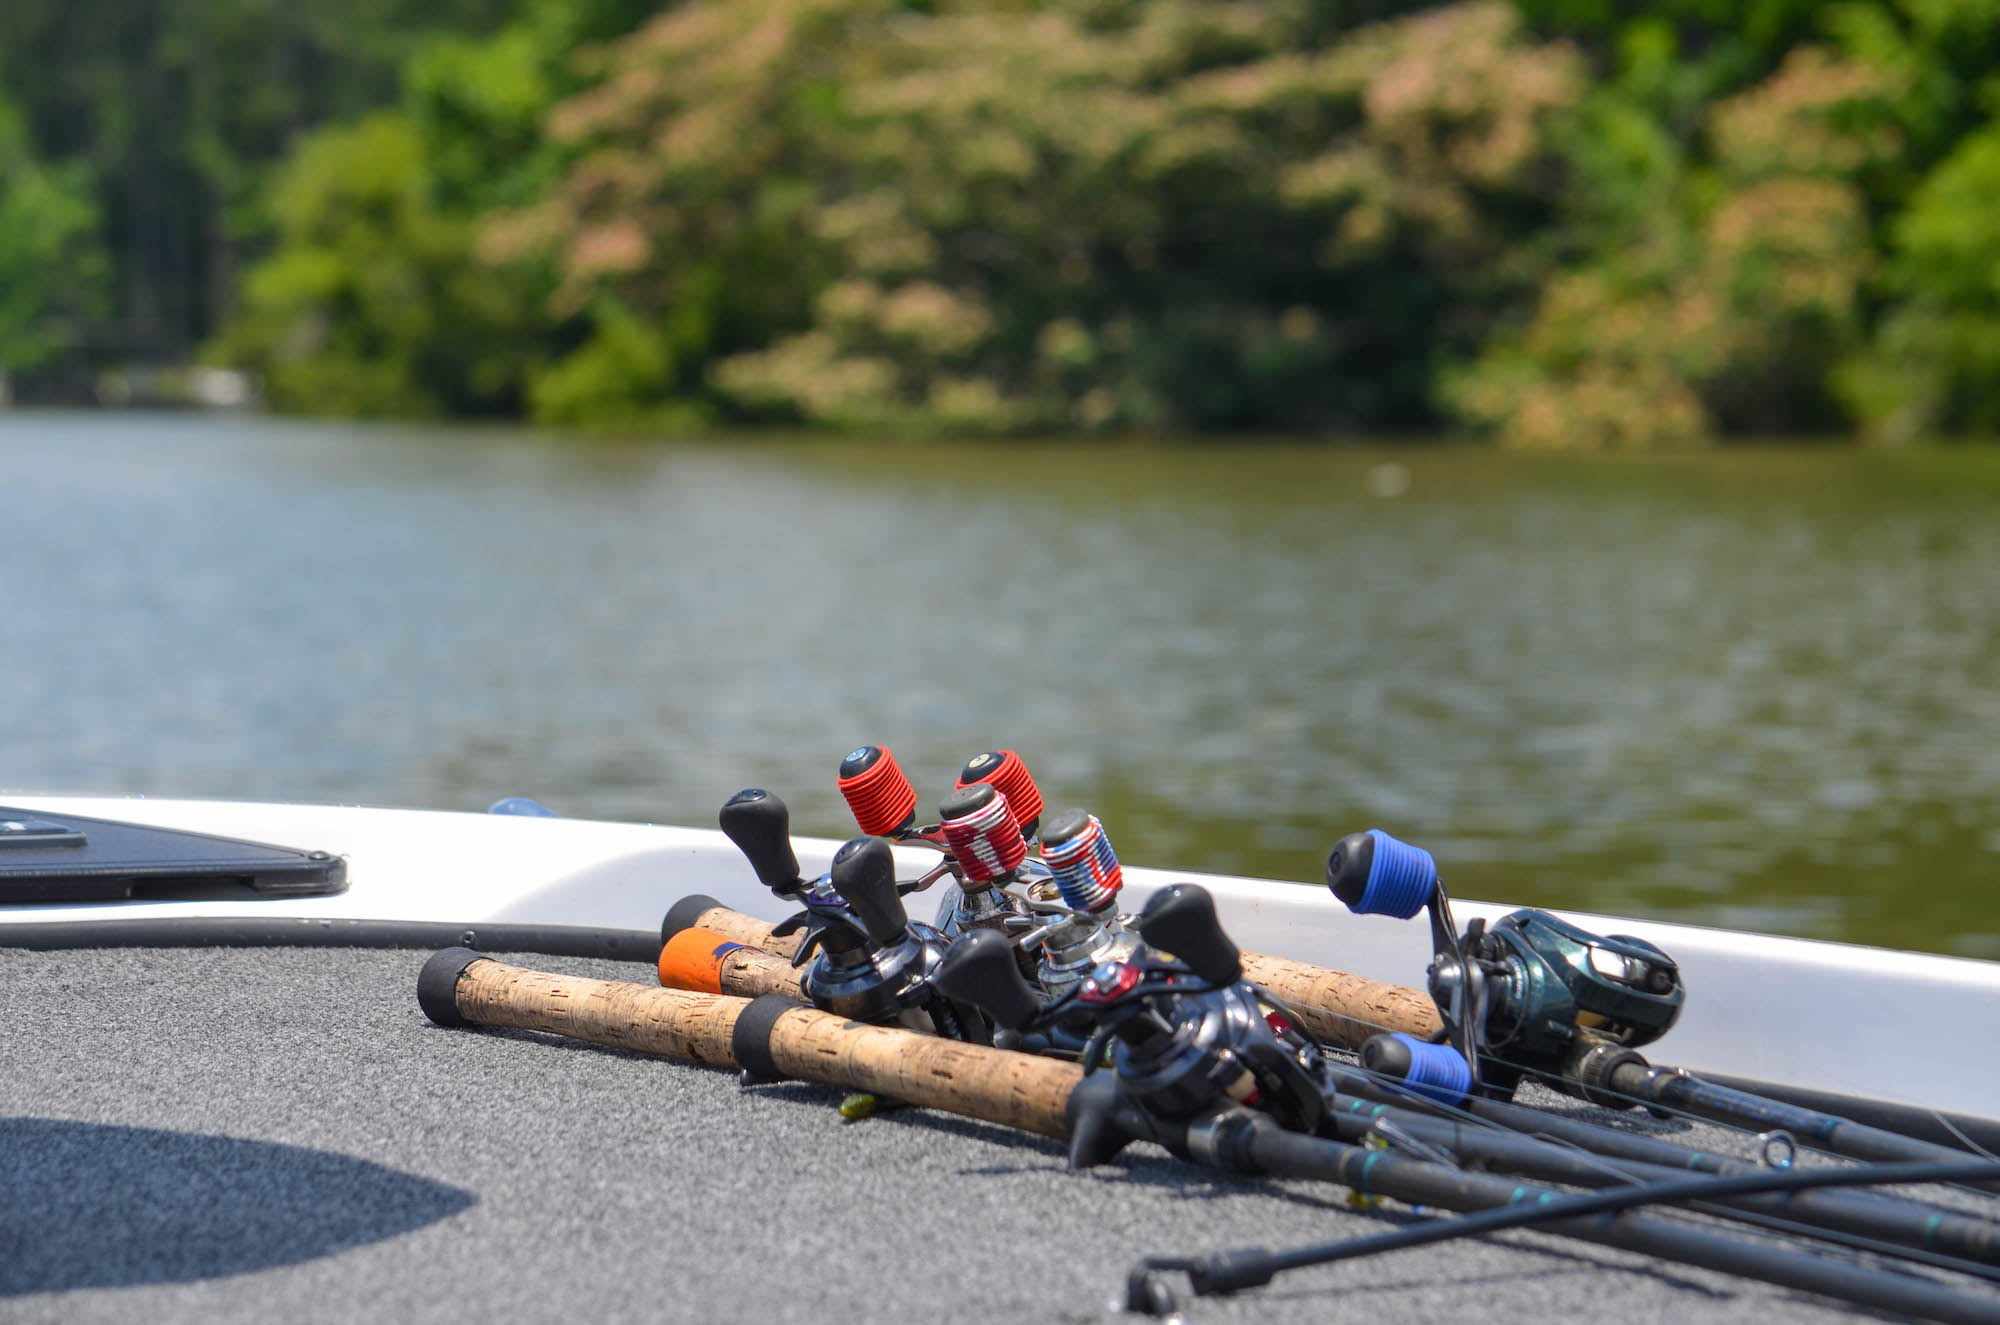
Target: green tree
pixel 1170 214
pixel 50 268
pixel 1935 361
pixel 372 303
pixel 1726 309
pixel 170 116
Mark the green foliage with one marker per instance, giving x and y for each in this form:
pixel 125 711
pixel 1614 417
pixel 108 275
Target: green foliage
pixel 50 268
pixel 373 303
pixel 1935 361
pixel 1175 214
pixel 172 114
pixel 1731 302
pixel 1573 223
pixel 375 298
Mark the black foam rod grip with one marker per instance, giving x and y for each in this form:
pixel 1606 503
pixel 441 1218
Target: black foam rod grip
pixel 761 827
pixel 1181 920
pixel 864 874
pixel 979 968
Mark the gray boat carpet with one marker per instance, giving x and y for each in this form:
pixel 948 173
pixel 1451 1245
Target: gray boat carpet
pixel 259 1135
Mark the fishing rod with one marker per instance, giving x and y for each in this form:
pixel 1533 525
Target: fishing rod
pixel 1064 918
pixel 1534 996
pixel 1064 923
pixel 1252 1267
pixel 873 962
pixel 1587 1160
pixel 1305 1087
pixel 1186 1092
pixel 719 964
pixel 1335 1007
pixel 1557 1149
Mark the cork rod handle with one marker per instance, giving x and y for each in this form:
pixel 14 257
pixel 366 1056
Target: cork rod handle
pixel 750 930
pixel 1332 1006
pixel 458 987
pixel 712 962
pixel 1339 1008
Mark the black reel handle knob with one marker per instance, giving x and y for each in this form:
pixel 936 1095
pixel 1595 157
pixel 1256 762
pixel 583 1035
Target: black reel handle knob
pixel 864 874
pixel 1181 920
pixel 979 968
pixel 761 827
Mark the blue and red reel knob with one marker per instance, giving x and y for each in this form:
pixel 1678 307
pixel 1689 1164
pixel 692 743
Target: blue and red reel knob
pixel 1079 855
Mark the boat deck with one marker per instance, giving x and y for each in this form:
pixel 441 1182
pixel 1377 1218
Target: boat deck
pixel 250 1135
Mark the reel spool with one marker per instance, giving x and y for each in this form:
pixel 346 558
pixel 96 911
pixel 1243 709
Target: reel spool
pixel 1185 1035
pixel 1532 994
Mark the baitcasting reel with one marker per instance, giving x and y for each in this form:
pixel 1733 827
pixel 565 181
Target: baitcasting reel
pixel 1531 995
pixel 1187 1037
pixel 869 961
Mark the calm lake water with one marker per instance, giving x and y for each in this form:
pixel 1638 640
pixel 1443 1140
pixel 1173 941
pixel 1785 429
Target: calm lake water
pixel 1752 689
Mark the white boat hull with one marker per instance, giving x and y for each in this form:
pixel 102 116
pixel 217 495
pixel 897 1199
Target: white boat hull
pixel 1909 1027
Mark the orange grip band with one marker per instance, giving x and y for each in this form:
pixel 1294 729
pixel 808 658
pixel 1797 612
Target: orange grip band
pixel 692 959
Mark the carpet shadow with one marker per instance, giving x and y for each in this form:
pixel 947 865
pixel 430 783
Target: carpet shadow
pixel 89 1205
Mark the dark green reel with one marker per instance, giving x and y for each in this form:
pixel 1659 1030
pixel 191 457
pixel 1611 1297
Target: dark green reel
pixel 1564 1001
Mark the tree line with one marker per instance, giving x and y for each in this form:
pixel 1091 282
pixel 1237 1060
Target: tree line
pixel 1556 222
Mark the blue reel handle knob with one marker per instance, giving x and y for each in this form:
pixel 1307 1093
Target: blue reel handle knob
pixel 864 874
pixel 1376 874
pixel 1181 920
pixel 979 968
pixel 1434 1071
pixel 761 827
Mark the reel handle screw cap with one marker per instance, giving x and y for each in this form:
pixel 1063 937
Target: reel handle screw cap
pixel 864 874
pixel 878 791
pixel 761 827
pixel 1375 874
pixel 1181 920
pixel 979 968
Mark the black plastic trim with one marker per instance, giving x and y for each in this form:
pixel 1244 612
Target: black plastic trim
pixel 750 1041
pixel 683 914
pixel 631 945
pixel 437 985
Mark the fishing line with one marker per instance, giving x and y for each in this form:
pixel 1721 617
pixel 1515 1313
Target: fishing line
pixel 1232 1271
